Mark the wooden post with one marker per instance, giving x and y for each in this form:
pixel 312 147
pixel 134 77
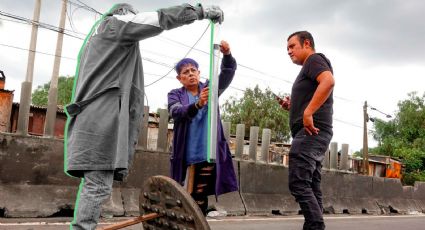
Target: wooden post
pixel 253 142
pixel 265 143
pixel 190 178
pixel 162 131
pixel 365 143
pixel 240 135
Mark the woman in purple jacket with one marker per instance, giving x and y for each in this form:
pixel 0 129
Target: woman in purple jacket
pixel 188 106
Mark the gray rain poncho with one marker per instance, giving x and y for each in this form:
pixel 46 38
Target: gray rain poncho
pixel 105 117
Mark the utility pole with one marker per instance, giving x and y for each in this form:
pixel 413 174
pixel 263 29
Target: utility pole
pixel 26 88
pixel 365 145
pixel 49 125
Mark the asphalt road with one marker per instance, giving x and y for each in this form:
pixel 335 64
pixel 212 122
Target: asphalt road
pixel 337 222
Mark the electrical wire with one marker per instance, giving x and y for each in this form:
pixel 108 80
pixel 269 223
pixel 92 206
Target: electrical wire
pixel 19 48
pixel 40 24
pixel 182 44
pixel 23 20
pixel 187 53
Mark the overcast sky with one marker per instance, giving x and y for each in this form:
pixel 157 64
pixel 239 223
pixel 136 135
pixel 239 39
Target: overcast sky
pixel 376 48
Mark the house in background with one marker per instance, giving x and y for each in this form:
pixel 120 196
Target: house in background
pixel 380 166
pixel 6 100
pixel 37 118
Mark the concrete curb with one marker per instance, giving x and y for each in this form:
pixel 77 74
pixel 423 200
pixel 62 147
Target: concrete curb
pixel 36 200
pixel 264 189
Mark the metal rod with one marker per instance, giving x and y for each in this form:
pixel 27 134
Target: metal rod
pixel 130 222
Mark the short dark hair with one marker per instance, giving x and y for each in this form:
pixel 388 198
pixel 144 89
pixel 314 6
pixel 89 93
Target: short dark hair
pixel 184 62
pixel 302 36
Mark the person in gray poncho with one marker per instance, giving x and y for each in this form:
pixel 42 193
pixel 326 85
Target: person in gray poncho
pixel 104 117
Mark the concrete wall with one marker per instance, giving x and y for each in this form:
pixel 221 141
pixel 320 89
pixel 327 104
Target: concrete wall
pixel 32 184
pixel 264 189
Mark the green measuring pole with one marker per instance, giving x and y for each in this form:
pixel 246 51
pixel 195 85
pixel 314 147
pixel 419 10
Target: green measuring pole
pixel 213 94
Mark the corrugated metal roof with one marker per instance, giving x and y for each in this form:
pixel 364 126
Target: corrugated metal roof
pixel 7 91
pixel 60 107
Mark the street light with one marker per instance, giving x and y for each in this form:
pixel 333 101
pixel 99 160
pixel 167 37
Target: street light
pixel 366 118
pixel 386 115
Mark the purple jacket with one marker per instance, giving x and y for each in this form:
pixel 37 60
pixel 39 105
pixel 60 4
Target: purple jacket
pixel 182 112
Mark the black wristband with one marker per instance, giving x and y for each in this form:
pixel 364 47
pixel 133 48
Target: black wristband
pixel 197 106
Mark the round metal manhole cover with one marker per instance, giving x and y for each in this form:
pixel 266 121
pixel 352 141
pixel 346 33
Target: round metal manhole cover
pixel 177 209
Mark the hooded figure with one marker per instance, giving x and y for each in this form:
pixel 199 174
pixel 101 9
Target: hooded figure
pixel 104 118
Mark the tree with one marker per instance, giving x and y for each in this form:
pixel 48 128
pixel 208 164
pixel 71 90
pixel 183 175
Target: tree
pixel 65 85
pixel 404 137
pixel 258 108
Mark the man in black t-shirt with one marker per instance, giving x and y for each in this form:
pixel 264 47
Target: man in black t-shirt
pixel 310 117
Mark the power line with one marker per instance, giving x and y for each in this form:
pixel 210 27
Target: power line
pixel 239 64
pixel 152 74
pixel 11 20
pixel 74 59
pixel 253 69
pixel 84 6
pixel 40 24
pixel 56 29
pixel 187 53
pixel 23 20
pixel 24 49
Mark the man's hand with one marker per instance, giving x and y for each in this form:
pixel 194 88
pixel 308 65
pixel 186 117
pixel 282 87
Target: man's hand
pixel 308 123
pixel 225 48
pixel 285 103
pixel 203 98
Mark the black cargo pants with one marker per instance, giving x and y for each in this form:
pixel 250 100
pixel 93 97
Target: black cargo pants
pixel 305 164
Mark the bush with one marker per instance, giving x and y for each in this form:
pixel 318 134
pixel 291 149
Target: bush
pixel 411 177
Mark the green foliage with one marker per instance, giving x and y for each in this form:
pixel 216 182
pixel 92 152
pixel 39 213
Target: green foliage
pixel 410 178
pixel 258 108
pixel 404 137
pixel 65 85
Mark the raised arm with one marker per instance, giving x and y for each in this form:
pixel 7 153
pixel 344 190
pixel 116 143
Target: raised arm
pixel 143 25
pixel 228 68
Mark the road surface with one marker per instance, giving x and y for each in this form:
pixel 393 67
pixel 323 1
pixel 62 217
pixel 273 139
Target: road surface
pixel 333 222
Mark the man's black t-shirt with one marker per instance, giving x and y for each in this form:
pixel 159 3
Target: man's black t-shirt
pixel 302 92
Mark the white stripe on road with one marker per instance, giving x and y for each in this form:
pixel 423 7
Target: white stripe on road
pixel 236 219
pixel 35 223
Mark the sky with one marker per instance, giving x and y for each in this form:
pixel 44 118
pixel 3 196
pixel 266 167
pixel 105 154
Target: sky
pixel 376 48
